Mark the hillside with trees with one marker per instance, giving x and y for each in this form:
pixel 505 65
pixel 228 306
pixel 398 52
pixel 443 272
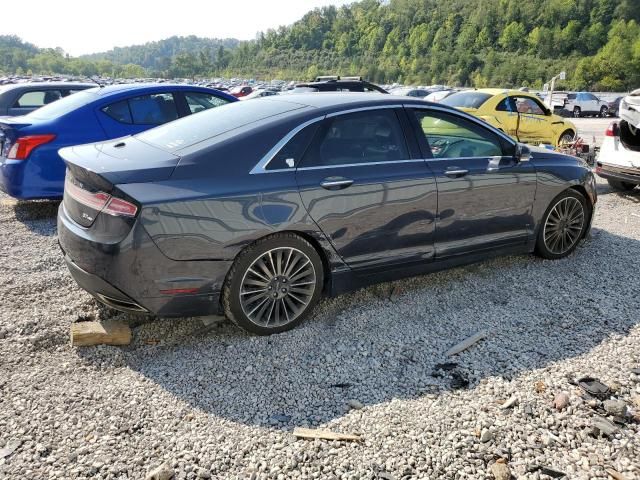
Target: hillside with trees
pixel 455 42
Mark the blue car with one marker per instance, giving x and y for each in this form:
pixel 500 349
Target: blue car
pixel 30 167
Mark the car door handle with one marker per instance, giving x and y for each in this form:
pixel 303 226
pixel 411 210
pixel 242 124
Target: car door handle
pixel 336 183
pixel 459 172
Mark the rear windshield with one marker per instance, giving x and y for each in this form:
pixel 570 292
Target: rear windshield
pixel 64 105
pixel 466 99
pixel 193 129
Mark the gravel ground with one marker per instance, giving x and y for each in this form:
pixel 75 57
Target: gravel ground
pixel 213 402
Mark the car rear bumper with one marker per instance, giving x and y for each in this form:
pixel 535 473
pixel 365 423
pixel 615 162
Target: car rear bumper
pixel 134 276
pixel 614 172
pixel 12 182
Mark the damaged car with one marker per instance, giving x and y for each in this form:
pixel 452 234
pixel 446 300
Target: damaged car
pixel 619 158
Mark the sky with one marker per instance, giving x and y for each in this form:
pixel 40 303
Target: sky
pixel 81 26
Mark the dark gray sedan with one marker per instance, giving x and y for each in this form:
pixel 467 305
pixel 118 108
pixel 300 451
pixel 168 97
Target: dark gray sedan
pixel 23 98
pixel 257 209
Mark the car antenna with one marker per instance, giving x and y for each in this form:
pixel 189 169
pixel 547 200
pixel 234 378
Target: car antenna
pixel 96 82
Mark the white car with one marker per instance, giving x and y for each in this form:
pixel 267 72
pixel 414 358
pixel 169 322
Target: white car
pixel 619 158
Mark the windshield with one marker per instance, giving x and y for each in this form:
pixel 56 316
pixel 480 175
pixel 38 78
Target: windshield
pixel 466 99
pixel 64 105
pixel 193 129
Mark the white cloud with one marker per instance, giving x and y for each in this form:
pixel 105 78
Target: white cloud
pixel 80 27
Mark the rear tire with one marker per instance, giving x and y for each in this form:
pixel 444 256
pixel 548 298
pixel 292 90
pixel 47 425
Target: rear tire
pixel 563 225
pixel 577 112
pixel 273 284
pixel 621 186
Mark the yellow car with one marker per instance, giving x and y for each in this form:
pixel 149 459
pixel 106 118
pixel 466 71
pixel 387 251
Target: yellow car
pixel 519 114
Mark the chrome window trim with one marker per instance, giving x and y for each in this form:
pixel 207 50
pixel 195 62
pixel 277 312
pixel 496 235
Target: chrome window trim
pixel 261 166
pixel 467 117
pixel 348 165
pixel 362 109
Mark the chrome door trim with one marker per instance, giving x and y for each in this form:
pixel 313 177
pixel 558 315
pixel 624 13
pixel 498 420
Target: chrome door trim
pixel 364 164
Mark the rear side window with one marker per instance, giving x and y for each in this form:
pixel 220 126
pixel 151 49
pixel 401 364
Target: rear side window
pixel 154 109
pixel 363 137
pixel 466 99
pixel 37 98
pixel 199 101
pixel 291 154
pixel 119 111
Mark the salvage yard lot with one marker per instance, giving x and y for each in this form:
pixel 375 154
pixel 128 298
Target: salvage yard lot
pixel 214 402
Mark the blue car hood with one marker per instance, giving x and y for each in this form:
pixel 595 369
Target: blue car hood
pixel 124 160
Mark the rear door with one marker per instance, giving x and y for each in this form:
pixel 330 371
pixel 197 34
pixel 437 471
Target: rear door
pixel 507 115
pixel 368 189
pixel 485 196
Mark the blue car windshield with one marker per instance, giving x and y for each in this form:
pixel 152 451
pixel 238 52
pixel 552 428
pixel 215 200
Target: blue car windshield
pixel 188 131
pixel 64 105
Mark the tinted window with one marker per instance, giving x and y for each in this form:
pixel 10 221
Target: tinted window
pixel 199 101
pixel 193 129
pixel 119 111
pixel 449 136
pixel 466 99
pixel 363 137
pixel 154 109
pixel 38 98
pixel 290 155
pixel 65 105
pixel 590 96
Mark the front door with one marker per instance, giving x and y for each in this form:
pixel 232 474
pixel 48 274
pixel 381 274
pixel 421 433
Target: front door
pixel 374 200
pixel 485 195
pixel 533 126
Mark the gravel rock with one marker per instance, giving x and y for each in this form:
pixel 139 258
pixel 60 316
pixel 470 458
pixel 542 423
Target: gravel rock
pixel 162 472
pixel 617 408
pixel 355 404
pixel 183 395
pixel 561 401
pixel 500 471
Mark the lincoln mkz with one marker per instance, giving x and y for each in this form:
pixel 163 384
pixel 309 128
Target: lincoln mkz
pixel 257 209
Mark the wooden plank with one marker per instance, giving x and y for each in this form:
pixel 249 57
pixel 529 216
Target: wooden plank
pixel 111 332
pixel 324 434
pixel 466 343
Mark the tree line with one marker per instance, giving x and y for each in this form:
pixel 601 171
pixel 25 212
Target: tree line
pixel 478 43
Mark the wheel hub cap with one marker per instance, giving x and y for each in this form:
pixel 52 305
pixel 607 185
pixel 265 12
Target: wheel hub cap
pixel 277 287
pixel 563 226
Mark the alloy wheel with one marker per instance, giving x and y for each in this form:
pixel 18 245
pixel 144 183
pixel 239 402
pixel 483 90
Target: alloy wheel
pixel 564 225
pixel 277 287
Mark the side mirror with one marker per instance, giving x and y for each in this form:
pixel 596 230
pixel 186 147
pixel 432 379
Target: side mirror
pixel 523 154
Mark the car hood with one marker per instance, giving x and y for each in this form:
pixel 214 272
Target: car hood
pixel 124 160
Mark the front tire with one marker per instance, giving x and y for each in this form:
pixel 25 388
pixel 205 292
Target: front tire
pixel 621 186
pixel 273 284
pixel 566 137
pixel 604 112
pixel 563 225
pixel 577 112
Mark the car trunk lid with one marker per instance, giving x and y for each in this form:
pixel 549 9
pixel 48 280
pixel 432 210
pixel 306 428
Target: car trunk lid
pixel 9 131
pixel 95 171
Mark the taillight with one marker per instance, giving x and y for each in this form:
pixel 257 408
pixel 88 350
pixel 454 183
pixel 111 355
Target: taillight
pixel 100 201
pixel 119 207
pixel 25 145
pixel 613 130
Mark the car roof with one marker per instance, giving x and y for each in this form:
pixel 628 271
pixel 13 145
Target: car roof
pixel 36 85
pixel 144 87
pixel 499 91
pixel 342 99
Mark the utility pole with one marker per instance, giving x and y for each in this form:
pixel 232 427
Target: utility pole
pixel 561 76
